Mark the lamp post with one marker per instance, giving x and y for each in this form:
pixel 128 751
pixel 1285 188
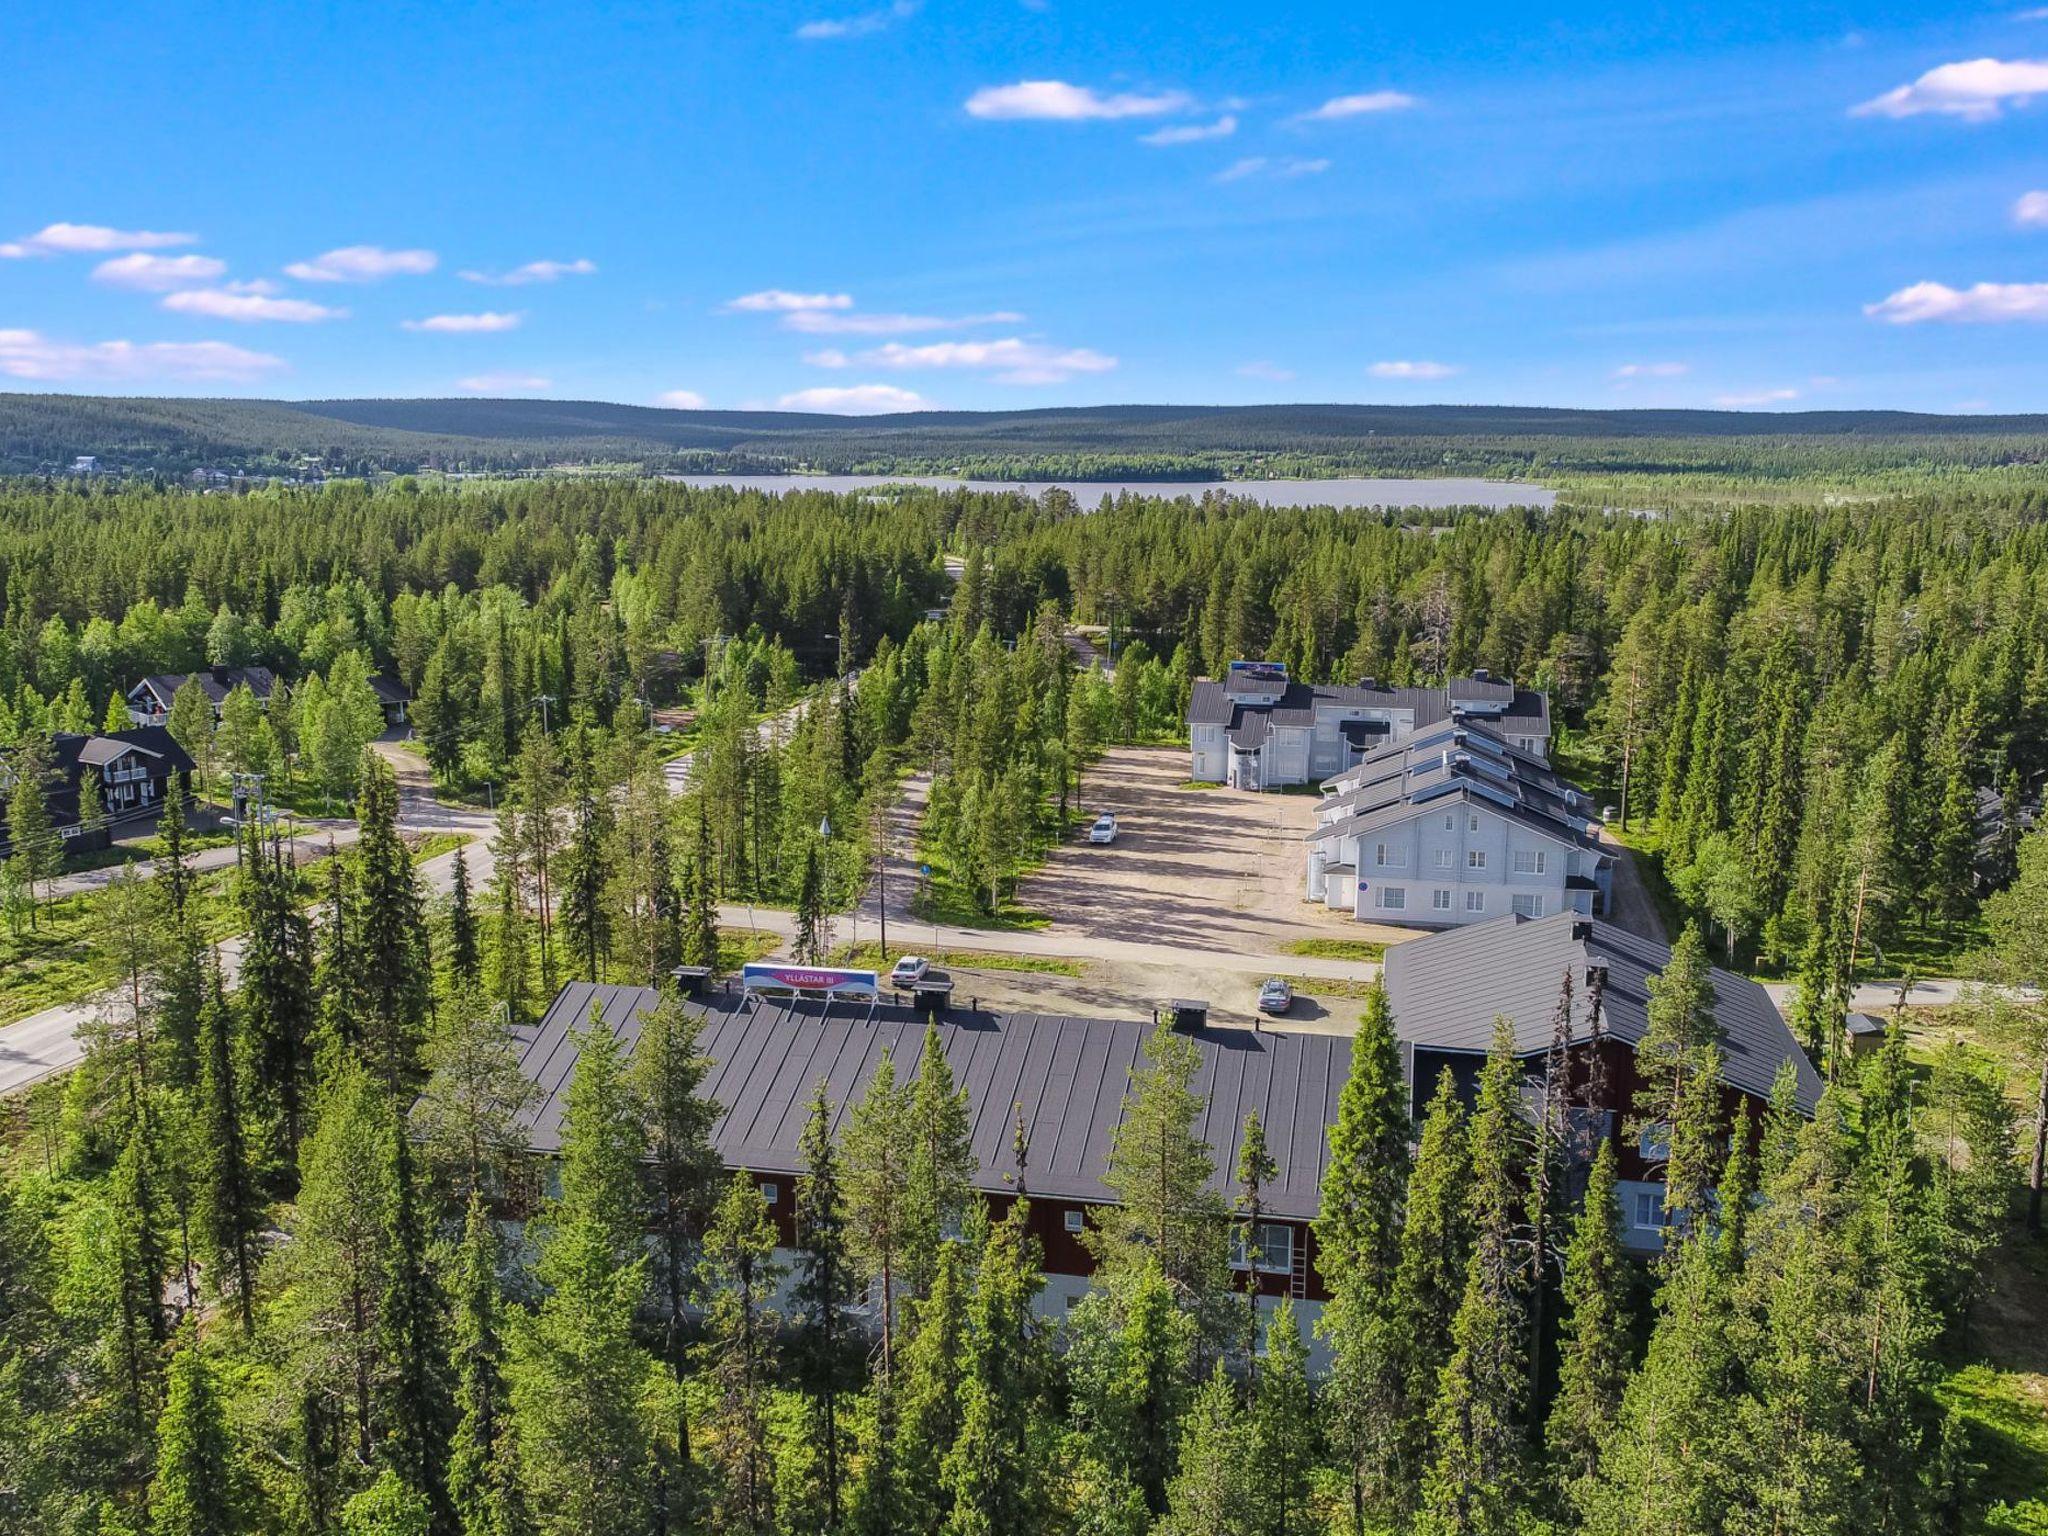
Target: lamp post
pixel 825 879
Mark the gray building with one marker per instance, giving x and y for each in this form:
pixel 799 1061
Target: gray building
pixel 1452 825
pixel 1260 729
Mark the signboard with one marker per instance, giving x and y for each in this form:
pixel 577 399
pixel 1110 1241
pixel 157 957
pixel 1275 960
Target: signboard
pixel 1271 672
pixel 770 977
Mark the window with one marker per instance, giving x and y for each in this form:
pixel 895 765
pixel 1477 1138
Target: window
pixel 769 1192
pixel 1443 858
pixel 1472 822
pixel 1530 861
pixel 1450 823
pixel 1528 906
pixel 1475 901
pixel 1387 857
pixel 1475 858
pixel 1649 1211
pixel 1392 898
pixel 1275 1248
pixel 1440 901
pixel 1076 1221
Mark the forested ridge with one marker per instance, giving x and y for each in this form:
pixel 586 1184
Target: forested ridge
pixel 249 1279
pixel 42 434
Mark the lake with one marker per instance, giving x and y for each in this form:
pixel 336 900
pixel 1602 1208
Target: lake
pixel 1359 491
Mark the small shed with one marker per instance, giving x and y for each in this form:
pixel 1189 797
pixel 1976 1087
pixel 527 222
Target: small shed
pixel 1863 1034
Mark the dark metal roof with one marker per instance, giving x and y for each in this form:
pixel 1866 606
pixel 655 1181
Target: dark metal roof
pixel 1447 989
pixel 215 682
pixel 1068 1073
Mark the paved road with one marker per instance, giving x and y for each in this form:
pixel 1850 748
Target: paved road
pixel 1634 912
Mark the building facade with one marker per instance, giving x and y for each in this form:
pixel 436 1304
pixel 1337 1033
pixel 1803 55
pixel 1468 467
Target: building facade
pixel 149 701
pixel 135 771
pixel 1453 825
pixel 1258 729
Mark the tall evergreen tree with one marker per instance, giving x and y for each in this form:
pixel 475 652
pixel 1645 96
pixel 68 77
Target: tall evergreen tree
pixel 941 1164
pixel 1594 1352
pixel 201 1487
pixel 994 1475
pixel 1216 1492
pixel 279 1007
pixel 394 980
pixel 739 1354
pixel 465 964
pixel 482 1485
pixel 822 1293
pixel 880 1147
pixel 1284 1422
pixel 231 1206
pixel 414 1407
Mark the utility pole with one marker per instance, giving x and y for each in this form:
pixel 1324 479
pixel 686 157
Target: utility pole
pixel 544 700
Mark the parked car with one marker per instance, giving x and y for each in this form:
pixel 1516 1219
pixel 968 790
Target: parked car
pixel 1104 830
pixel 1276 995
pixel 909 970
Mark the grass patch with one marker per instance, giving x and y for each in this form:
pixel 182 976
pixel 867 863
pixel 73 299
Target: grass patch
pixel 1200 784
pixel 743 946
pixel 141 850
pixel 2007 1415
pixel 869 956
pixel 944 899
pixel 431 845
pixel 1337 949
pixel 1329 986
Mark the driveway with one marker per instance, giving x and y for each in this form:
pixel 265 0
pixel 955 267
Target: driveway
pixel 1204 869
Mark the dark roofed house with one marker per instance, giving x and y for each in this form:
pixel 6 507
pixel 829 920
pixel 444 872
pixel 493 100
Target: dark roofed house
pixel 1068 1075
pixel 135 770
pixel 149 701
pixel 1447 989
pixel 392 696
pixel 1260 729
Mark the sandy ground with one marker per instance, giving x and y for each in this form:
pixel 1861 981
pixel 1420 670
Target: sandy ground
pixel 1215 869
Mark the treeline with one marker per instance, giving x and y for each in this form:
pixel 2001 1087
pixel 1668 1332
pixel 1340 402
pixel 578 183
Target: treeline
pixel 251 1280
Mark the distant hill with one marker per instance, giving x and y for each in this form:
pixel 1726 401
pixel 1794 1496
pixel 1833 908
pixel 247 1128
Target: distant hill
pixel 44 433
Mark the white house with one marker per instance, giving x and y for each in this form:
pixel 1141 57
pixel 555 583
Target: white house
pixel 1453 825
pixel 1259 729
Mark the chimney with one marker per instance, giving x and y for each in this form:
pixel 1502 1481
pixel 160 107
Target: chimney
pixel 1369 682
pixel 1582 930
pixel 1480 674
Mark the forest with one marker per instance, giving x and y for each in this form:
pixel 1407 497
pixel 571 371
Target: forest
pixel 253 1271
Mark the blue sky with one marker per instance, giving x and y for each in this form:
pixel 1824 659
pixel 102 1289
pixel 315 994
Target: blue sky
pixel 860 204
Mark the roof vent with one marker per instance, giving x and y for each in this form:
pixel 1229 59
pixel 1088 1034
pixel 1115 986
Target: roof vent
pixel 1480 674
pixel 1184 1015
pixel 1582 931
pixel 1369 682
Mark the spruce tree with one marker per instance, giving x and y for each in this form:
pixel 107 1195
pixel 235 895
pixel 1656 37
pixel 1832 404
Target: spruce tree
pixel 1285 1448
pixel 1217 1491
pixel 276 996
pixel 1595 1346
pixel 822 1293
pixel 941 1165
pixel 1677 1058
pixel 700 912
pixel 1131 1366
pixel 201 1487
pixel 1478 1475
pixel 482 1488
pixel 809 944
pixel 880 1146
pixel 413 1396
pixel 684 1176
pixel 465 965
pixel 910 1443
pixel 231 1206
pixel 994 1474
pixel 173 873
pixel 394 980
pixel 739 1354
pixel 469 1113
pixel 1255 1170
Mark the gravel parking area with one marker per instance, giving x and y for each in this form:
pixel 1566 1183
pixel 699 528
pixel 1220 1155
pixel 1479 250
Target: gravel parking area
pixel 1200 869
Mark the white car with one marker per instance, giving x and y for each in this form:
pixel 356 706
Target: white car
pixel 1104 830
pixel 909 970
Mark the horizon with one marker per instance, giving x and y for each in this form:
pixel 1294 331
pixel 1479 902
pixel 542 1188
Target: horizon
pixel 875 207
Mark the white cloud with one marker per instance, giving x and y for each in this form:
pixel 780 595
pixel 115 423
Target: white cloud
pixel 832 28
pixel 247 308
pixel 829 357
pixel 1402 368
pixel 680 400
pixel 1755 397
pixel 1261 369
pixel 154 274
pixel 30 355
pixel 1976 90
pixel 362 264
pixel 1652 370
pixel 776 300
pixel 489 320
pixel 1012 360
pixel 86 239
pixel 503 383
pixel 823 322
pixel 1985 302
pixel 2031 211
pixel 1365 104
pixel 1286 169
pixel 532 272
pixel 1191 133
pixel 855 400
pixel 1057 101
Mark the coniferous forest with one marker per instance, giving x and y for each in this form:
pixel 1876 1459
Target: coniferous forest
pixel 274 1257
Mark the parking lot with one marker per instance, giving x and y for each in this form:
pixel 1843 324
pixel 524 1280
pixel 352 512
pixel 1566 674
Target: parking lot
pixel 1215 869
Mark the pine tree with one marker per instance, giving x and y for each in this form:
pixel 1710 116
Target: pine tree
pixel 467 1117
pixel 464 964
pixel 142 1326
pixel 1678 1061
pixel 586 923
pixel 201 1487
pixel 941 1163
pixel 482 1489
pixel 36 854
pixel 1476 1480
pixel 1594 1351
pixel 1131 1366
pixel 511 969
pixel 231 1207
pixel 739 1354
pixel 413 1397
pixel 1159 1170
pixel 1255 1170
pixel 880 1146
pixel 823 1291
